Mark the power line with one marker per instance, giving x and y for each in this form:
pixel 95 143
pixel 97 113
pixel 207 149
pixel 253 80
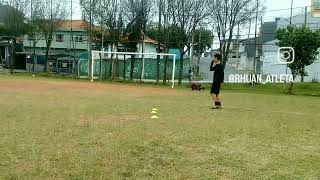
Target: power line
pixel 273 10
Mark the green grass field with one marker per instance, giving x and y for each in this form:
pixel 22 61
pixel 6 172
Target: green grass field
pixel 68 129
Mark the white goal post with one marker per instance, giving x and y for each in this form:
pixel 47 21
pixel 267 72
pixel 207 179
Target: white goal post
pixel 97 53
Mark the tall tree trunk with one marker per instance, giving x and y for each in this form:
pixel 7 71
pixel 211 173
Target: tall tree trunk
pixel 165 70
pixel 111 67
pixel 141 71
pixel 158 67
pixel 116 66
pixel 13 56
pixel 198 66
pixel 181 67
pixel 124 68
pixel 34 57
pixel 47 51
pixel 101 57
pixel 132 67
pixel 159 45
pixel 224 55
pixel 224 61
pixel 224 50
pixel 115 63
pixel 142 61
pixel 290 90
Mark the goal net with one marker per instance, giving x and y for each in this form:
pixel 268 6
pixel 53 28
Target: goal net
pixel 132 66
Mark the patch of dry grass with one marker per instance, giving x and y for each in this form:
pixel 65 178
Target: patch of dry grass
pixel 76 130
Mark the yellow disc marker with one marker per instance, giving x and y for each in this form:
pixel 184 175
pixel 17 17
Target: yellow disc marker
pixel 153 112
pixel 154 117
pixel 154 109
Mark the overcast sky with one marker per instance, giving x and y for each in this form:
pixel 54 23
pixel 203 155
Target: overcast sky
pixel 275 8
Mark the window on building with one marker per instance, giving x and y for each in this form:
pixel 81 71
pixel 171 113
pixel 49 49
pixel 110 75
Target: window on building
pixel 78 39
pixel 59 37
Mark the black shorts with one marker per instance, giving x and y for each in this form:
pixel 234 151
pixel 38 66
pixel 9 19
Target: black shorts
pixel 215 88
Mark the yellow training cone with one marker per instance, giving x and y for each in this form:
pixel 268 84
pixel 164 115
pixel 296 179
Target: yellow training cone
pixel 154 109
pixel 153 112
pixel 154 117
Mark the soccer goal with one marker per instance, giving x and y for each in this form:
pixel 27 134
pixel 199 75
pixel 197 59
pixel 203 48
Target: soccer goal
pixel 144 65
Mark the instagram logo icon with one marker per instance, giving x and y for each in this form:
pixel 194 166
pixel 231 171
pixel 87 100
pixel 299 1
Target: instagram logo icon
pixel 286 55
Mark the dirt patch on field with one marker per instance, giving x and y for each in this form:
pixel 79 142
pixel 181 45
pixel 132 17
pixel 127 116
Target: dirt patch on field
pixel 45 86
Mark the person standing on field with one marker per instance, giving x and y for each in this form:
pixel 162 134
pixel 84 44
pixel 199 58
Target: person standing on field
pixel 218 79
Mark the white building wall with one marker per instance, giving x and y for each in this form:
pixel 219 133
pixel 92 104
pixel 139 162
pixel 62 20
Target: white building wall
pixel 271 65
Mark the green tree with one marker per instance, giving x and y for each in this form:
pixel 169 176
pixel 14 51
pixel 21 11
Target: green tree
pixel 187 15
pixel 202 38
pixel 3 31
pixel 14 21
pixel 136 13
pixel 226 15
pixel 46 17
pixel 13 25
pixel 171 37
pixel 305 43
pixel 130 39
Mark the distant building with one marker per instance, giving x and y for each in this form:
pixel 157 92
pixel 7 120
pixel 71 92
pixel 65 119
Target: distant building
pixel 267 50
pixel 247 53
pixel 5 52
pixel 269 57
pixel 69 39
pixel 64 40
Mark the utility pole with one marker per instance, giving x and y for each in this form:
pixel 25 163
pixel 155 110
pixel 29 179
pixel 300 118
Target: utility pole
pixel 90 60
pixel 255 43
pixel 291 12
pixel 102 39
pixel 305 25
pixel 305 15
pixel 142 48
pixel 102 27
pixel 199 53
pixel 167 35
pixel 159 45
pixel 191 51
pixel 13 55
pixel 290 26
pixel 33 37
pixel 261 37
pixel 71 39
pixel 192 42
pixel 238 46
pixel 49 38
pixel 13 43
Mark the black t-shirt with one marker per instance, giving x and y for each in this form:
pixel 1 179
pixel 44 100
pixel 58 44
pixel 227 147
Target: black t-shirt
pixel 218 76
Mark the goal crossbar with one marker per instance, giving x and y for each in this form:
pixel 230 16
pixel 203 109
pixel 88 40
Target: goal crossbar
pixel 131 53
